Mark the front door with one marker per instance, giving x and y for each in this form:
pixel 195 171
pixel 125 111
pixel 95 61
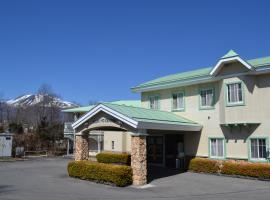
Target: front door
pixel 155 150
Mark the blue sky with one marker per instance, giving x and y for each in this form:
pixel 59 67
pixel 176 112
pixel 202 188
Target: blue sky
pixel 97 50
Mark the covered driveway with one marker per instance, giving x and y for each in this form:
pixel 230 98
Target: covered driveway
pixel 150 129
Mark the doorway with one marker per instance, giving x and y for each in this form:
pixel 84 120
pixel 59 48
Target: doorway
pixel 174 149
pixel 155 150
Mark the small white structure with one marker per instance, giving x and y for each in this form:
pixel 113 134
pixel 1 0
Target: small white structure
pixel 5 144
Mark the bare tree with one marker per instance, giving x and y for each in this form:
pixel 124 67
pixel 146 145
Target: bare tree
pixel 92 102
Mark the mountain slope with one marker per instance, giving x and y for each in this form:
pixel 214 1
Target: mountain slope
pixel 35 99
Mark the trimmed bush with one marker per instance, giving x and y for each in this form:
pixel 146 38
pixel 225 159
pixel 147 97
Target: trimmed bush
pixel 235 168
pixel 203 165
pixel 257 170
pixel 100 172
pixel 111 157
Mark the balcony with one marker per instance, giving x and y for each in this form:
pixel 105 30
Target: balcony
pixel 68 130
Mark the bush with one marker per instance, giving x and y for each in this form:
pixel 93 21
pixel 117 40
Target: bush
pixel 203 165
pixel 257 170
pixel 110 157
pixel 89 170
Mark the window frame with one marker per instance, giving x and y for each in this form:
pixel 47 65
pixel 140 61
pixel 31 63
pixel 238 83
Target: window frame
pixel 240 103
pixel 266 145
pixel 184 103
pixel 158 99
pixel 201 107
pixel 224 148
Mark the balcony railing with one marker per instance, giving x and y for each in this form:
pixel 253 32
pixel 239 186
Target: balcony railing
pixel 68 128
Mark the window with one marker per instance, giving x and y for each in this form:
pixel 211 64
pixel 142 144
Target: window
pixel 178 101
pixel 258 148
pixel 154 102
pixel 95 143
pixel 206 98
pixel 112 145
pixel 217 147
pixel 234 93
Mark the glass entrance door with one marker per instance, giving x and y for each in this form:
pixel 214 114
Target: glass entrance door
pixel 155 150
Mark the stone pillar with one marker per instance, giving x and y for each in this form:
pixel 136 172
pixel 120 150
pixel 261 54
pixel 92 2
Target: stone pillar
pixel 81 147
pixel 139 160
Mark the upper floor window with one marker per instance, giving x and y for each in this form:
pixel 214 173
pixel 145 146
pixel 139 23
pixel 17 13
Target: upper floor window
pixel 178 101
pixel 235 94
pixel 206 98
pixel 258 149
pixel 154 102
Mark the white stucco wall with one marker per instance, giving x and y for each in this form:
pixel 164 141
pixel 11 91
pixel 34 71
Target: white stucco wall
pixel 256 109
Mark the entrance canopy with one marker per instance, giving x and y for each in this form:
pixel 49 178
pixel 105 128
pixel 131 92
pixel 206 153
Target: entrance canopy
pixel 141 118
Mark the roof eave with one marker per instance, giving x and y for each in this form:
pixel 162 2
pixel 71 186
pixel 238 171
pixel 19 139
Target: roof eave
pixel 223 61
pixel 172 127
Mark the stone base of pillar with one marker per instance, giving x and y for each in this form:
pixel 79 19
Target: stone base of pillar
pixel 139 160
pixel 81 147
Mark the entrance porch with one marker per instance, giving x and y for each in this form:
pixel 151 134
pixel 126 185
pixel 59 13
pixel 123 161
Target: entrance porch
pixel 157 137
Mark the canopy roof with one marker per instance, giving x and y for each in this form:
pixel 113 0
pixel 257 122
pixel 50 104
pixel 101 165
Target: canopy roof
pixel 203 74
pixel 141 118
pixel 84 109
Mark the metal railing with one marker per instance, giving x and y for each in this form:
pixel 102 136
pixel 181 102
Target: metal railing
pixel 33 154
pixel 68 128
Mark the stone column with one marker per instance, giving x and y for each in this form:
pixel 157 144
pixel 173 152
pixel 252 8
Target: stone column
pixel 81 147
pixel 139 159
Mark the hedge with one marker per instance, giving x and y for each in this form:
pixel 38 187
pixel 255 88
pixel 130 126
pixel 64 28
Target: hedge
pixel 110 157
pixel 203 165
pixel 256 170
pixel 100 172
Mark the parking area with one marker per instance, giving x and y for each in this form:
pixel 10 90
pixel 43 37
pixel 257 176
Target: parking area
pixel 47 179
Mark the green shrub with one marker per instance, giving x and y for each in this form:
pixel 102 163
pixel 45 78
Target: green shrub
pixel 257 170
pixel 110 157
pixel 203 165
pixel 88 170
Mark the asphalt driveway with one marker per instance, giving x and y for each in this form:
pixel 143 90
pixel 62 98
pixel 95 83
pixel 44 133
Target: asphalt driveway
pixel 47 179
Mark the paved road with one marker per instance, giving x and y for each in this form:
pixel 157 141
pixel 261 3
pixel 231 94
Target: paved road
pixel 47 180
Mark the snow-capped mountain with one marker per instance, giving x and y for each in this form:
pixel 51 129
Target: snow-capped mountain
pixel 34 99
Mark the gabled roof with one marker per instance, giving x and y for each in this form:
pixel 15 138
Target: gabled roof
pixel 141 118
pixel 85 109
pixel 203 74
pixel 230 57
pixel 230 53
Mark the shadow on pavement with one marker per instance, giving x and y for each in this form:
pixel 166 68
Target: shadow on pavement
pixel 155 172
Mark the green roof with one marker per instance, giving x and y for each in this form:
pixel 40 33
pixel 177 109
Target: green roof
pixel 231 53
pixel 84 109
pixel 135 103
pixel 149 115
pixel 199 73
pixel 79 109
